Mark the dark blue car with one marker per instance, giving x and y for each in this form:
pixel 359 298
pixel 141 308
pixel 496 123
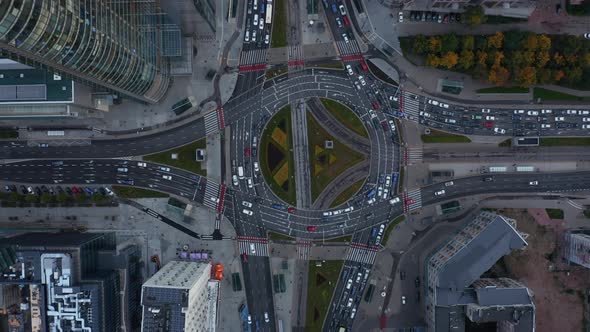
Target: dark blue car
pixel 334 8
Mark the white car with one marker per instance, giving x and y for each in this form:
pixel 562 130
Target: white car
pixel 342 10
pixel 572 112
pixel 387 181
pixel 380 191
pixel 109 191
pixel 349 70
pixel 261 24
pixel 587 35
pixel 546 111
pixel 256 167
pixel 586 126
pixel 585 119
pixel 267 39
pixel 255 20
pixel 165 169
pixel 234 180
pixel 439 193
pixel 433 102
pixel 345 36
pixel 247 36
pixel 249 181
pixel 247 212
pixel 385 193
pixel 247 204
pixel 327 213
pixel 252 248
pixel 499 130
pixel 362 80
pixel 490 117
pixel 381 229
pixel 391 125
pixel 371 201
pixel 349 284
pixel 394 201
pixel 533 183
pixel 559 118
pixel 249 320
pixel 122 169
pixel 518 111
pixel 403 299
pixel 444 105
pixel 450 121
pixel 349 302
pixel 532 113
pixel 140 164
pixel 583 112
pixel 352 313
pixel 357 84
pixel 400 16
pixel 545 126
pixel 450 183
pixel 485 110
pixel 167 177
pixel 266 319
pixel 349 209
pixel 254 35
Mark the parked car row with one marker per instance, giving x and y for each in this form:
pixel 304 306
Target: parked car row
pixel 30 190
pixel 418 16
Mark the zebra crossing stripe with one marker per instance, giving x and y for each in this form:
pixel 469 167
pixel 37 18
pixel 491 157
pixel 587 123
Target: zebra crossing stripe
pixel 260 249
pixel 211 191
pixel 252 57
pixel 211 122
pixel 366 256
pixel 414 155
pixel 415 195
pixel 348 48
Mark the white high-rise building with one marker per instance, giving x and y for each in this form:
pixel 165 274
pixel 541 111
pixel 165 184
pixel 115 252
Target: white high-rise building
pixel 176 298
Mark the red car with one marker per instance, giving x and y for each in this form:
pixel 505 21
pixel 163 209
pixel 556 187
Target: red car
pixel 363 64
pixel 488 124
pixel 291 209
pixel 312 228
pixel 345 19
pixel 74 190
pixel 375 105
pixel 409 201
pixel 247 152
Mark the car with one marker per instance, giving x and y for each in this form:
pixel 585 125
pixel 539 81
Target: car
pixel 546 111
pixel 261 24
pixel 254 35
pixel 447 120
pixel 488 124
pixel 387 180
pixel 256 167
pixel 358 277
pixel 417 282
pixel 167 177
pixel 400 17
pixel 559 118
pixel 249 320
pixel 381 229
pixel 349 284
pixel 346 20
pixel 255 22
pixel 234 180
pixel 533 183
pixel 247 152
pixel 334 8
pixel 586 112
pixel 375 105
pixel 357 85
pixel 165 169
pixel 89 191
pixel 586 126
pixel 267 39
pixel 141 164
pixel 439 18
pixel 371 201
pixel 339 22
pixel 291 209
pixel 449 183
pixel 247 212
pixel 327 213
pixel 410 201
pixel 362 80
pixel 571 112
pixel 345 37
pixel 433 102
pixel 247 36
pixel 444 105
pixel 391 125
pixel 394 201
pixel 349 209
pixel 247 204
pixel 403 299
pixel 74 190
pixel 107 190
pixel 266 319
pixel 312 228
pixel 518 111
pixel 532 113
pixel 352 313
pixel 439 193
pixel 364 65
pixel 545 126
pixel 380 191
pixel 23 190
pixel 490 117
pixel 43 145
pixel 350 301
pixel 485 110
pixel 499 130
pixel 122 169
pixel 349 70
pixel 249 182
pixel 585 119
pixel 342 10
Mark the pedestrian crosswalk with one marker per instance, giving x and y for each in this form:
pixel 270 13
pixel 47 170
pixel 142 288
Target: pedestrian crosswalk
pixel 413 155
pixel 372 36
pixel 295 57
pixel 211 122
pixel 410 105
pixel 253 57
pixel 253 246
pixel 303 250
pixel 352 47
pixel 361 254
pixel 413 200
pixel 211 195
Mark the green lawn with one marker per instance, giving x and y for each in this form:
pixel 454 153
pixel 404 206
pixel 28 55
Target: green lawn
pixel 321 283
pixel 279 25
pixel 347 238
pixel 546 94
pixel 133 192
pixel 326 64
pixel 555 213
pixel 390 228
pixel 275 71
pixel 346 116
pixel 507 143
pixel 564 141
pixel 437 136
pixel 277 236
pixel 186 157
pixel 284 191
pixel 587 213
pixel 326 164
pixel 7 133
pixel 504 89
pixel 347 193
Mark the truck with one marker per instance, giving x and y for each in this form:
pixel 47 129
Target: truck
pixel 371 193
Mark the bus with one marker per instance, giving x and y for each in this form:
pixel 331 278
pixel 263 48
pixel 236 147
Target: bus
pixel 268 19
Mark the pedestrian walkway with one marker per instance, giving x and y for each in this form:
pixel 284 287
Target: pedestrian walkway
pixel 295 58
pixel 253 246
pixel 350 48
pixel 413 155
pixel 410 105
pixel 253 57
pixel 413 200
pixel 361 254
pixel 211 122
pixel 303 250
pixel 211 199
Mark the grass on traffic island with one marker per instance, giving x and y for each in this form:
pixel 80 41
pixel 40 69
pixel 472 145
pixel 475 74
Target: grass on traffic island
pixel 564 141
pixel 437 136
pixel 347 193
pixel 186 157
pixel 554 213
pixel 276 156
pixel 321 283
pixel 279 24
pixel 134 192
pixel 8 133
pixel 280 237
pixel 346 116
pixel 390 228
pixel 504 89
pixel 347 238
pixel 506 144
pixel 275 71
pixel 15 199
pixel 326 164
pixel 326 64
pixel 546 94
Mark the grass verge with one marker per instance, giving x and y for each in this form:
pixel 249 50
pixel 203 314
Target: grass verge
pixel 275 71
pixel 321 283
pixel 506 144
pixel 555 213
pixel 564 141
pixel 587 213
pixel 390 228
pixel 437 136
pixel 280 237
pixel 8 133
pixel 347 193
pixel 504 89
pixel 285 191
pixel 546 94
pixel 279 25
pixel 346 116
pixel 186 157
pixel 326 164
pixel 326 64
pixel 133 192
pixel 347 238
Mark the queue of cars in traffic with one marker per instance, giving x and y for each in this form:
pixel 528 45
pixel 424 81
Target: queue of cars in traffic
pixel 73 190
pixel 258 22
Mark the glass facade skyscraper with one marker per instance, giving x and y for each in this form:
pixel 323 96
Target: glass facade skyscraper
pixel 112 44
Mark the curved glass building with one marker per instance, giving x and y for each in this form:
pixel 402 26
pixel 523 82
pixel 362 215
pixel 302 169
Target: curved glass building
pixel 108 43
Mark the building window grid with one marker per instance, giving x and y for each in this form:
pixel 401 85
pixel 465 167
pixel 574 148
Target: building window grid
pixel 89 55
pixel 48 35
pixel 29 24
pixel 63 47
pixel 54 47
pixel 83 47
pixel 40 26
pixel 19 23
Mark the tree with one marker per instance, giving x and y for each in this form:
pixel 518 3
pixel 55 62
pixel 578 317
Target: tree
pixel 98 197
pixel 559 59
pixel 450 43
pixel 432 60
pixel 530 43
pixel 482 57
pixel 62 197
pixel 573 74
pixel 528 58
pixel 496 40
pixel 558 75
pixel 543 58
pixel 466 59
pixel 434 44
pixel 527 76
pixel 467 42
pixel 449 60
pixel 498 75
pixel 420 44
pixel 15 196
pixel 474 15
pixel 585 61
pixel 46 198
pixel 543 42
pixel 31 198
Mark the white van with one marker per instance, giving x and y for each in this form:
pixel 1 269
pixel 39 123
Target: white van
pixel 255 22
pixel 240 172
